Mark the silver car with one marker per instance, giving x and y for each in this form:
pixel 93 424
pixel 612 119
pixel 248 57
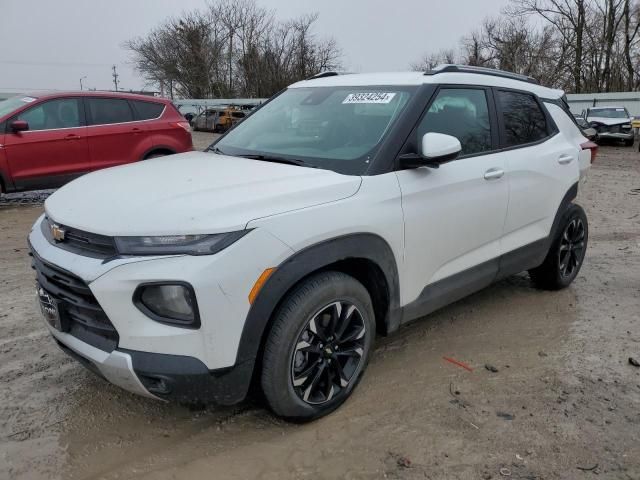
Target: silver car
pixel 611 123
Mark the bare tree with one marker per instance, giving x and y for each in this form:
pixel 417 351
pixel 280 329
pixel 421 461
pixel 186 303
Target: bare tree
pixel 233 48
pixel 576 45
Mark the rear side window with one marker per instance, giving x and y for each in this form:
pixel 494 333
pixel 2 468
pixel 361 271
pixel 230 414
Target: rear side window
pixel 147 110
pixel 104 111
pixel 462 113
pixel 523 119
pixel 52 114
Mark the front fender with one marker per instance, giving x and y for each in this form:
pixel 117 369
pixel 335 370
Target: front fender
pixel 311 259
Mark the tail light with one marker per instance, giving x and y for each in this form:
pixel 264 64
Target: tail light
pixel 590 146
pixel 184 125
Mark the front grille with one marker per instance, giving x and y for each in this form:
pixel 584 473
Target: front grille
pixel 80 310
pixel 81 242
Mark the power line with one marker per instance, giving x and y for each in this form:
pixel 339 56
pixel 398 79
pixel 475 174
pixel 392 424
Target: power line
pixel 55 64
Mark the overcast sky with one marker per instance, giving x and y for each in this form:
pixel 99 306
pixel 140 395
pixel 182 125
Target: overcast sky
pixel 48 44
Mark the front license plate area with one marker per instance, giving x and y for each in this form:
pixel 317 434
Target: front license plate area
pixel 51 311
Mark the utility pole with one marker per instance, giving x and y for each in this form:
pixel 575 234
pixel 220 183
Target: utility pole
pixel 82 78
pixel 115 77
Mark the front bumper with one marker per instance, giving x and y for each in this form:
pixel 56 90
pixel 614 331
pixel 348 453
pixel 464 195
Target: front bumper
pixel 116 367
pixel 616 136
pixel 158 360
pixel 174 378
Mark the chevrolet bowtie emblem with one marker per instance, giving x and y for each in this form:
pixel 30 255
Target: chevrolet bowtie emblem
pixel 57 233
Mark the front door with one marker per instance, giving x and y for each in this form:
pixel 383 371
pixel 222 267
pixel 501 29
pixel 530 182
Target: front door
pixel 454 215
pixel 54 150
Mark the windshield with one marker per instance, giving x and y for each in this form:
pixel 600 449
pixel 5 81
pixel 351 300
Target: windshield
pixel 10 104
pixel 609 112
pixel 335 128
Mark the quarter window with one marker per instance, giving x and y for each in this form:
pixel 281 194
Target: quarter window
pixel 523 119
pixel 53 114
pixel 103 111
pixel 462 113
pixel 147 110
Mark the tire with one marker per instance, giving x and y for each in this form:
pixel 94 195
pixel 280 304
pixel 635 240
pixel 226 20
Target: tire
pixel 558 270
pixel 629 143
pixel 155 155
pixel 306 373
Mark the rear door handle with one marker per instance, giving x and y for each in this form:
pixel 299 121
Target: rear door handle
pixel 564 159
pixel 72 137
pixel 493 174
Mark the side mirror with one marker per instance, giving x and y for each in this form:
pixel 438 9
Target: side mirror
pixel 19 126
pixel 436 148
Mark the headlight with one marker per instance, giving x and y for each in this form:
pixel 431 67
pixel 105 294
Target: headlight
pixel 626 126
pixel 177 244
pixel 171 303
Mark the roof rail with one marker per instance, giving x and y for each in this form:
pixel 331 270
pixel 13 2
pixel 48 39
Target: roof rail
pixel 482 71
pixel 323 75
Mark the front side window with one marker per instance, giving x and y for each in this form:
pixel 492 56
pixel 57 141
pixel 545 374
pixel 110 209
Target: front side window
pixel 52 114
pixel 336 128
pixel 462 113
pixel 523 119
pixel 104 111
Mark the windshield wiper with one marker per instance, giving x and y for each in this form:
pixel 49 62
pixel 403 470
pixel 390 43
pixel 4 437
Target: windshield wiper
pixel 264 158
pixel 270 158
pixel 214 150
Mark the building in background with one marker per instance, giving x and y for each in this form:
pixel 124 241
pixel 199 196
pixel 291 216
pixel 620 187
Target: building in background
pixel 578 102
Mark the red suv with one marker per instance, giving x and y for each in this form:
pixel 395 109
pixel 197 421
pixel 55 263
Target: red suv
pixel 46 140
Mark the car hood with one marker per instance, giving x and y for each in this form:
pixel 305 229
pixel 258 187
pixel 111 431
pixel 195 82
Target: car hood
pixel 192 193
pixel 609 121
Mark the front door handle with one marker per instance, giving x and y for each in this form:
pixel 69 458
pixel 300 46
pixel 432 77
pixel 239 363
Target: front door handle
pixel 564 159
pixel 72 137
pixel 493 174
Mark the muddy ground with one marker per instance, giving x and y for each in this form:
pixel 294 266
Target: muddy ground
pixel 564 403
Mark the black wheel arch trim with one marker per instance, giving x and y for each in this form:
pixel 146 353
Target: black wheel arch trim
pixel 568 198
pixel 361 246
pixel 158 148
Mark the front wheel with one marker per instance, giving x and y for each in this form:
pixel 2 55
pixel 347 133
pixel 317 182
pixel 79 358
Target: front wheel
pixel 565 257
pixel 318 346
pixel 629 143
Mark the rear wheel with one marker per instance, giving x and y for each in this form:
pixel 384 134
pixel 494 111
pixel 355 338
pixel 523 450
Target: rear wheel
pixel 565 257
pixel 156 155
pixel 318 346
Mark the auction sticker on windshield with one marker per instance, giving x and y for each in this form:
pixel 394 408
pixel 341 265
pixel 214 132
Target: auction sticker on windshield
pixel 371 97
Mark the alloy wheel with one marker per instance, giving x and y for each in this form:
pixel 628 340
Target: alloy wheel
pixel 571 248
pixel 328 353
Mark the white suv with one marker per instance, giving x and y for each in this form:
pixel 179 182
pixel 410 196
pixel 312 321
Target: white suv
pixel 346 205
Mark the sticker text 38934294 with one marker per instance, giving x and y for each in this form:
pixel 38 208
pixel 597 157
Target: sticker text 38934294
pixel 369 97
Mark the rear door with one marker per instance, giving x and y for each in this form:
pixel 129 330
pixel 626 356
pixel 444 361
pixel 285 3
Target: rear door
pixel 54 150
pixel 542 165
pixel 115 136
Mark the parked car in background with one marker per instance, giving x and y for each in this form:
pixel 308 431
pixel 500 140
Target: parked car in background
pixel 218 120
pixel 589 132
pixel 347 205
pixel 49 139
pixel 611 123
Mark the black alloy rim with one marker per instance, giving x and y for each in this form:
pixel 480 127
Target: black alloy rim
pixel 328 353
pixel 571 248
